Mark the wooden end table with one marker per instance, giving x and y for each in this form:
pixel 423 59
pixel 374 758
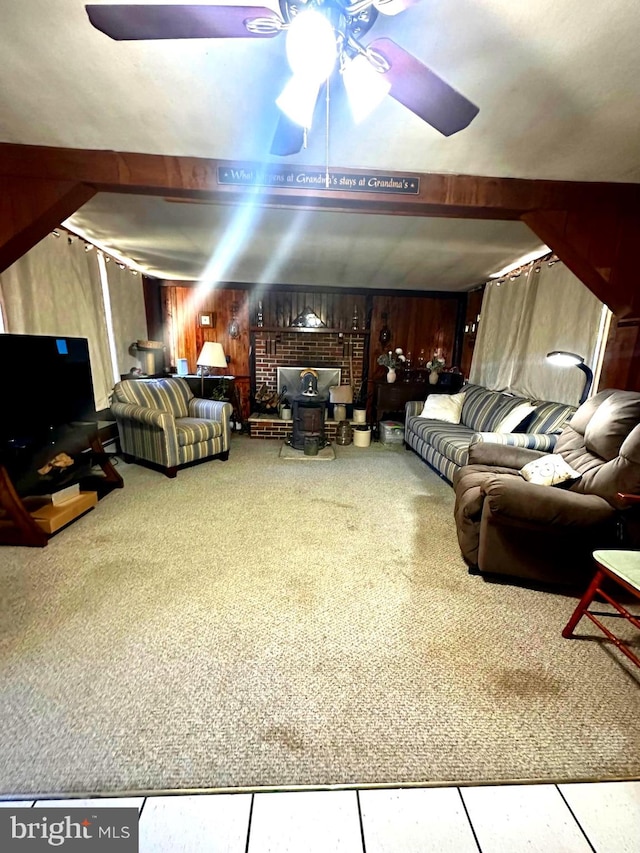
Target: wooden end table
pixel 623 567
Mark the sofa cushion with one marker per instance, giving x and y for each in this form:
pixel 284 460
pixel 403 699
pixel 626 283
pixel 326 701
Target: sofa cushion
pixel 503 407
pixel 610 425
pixel 168 395
pixel 477 407
pixel 550 418
pixel 450 440
pixel 549 470
pixel 443 407
pixel 195 430
pixel 484 409
pixel 532 441
pixel 514 417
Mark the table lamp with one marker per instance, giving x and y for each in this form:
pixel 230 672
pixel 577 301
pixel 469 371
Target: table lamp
pixel 211 355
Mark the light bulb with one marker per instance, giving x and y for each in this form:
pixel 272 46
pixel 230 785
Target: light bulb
pixel 564 359
pixel 365 87
pixel 298 100
pixel 311 45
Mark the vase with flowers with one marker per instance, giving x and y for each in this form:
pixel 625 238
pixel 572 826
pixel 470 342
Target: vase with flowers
pixel 392 360
pixel 435 367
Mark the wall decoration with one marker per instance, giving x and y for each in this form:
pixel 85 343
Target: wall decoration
pixel 234 326
pixel 385 331
pixel 206 319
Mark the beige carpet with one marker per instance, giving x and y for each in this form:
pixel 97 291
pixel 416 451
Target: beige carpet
pixel 258 623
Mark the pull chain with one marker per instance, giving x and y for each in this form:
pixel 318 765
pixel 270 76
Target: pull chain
pixel 326 143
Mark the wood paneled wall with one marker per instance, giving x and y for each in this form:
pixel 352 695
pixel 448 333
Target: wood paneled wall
pixel 337 310
pixel 621 366
pixel 471 322
pixel 184 336
pixel 416 323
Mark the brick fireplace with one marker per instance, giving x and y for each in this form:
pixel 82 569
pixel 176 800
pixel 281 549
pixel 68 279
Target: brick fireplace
pixel 308 347
pixel 311 348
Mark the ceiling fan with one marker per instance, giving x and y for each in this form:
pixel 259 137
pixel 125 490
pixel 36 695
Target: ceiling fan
pixel 321 34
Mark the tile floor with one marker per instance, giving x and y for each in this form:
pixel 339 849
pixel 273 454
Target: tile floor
pixel 574 818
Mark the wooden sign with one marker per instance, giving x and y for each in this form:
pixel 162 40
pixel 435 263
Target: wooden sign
pixel 285 177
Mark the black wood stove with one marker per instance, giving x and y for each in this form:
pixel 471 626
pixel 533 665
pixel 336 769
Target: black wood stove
pixel 309 409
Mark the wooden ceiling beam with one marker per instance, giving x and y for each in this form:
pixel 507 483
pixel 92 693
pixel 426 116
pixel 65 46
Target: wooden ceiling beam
pixel 465 196
pixel 593 227
pixel 599 250
pixel 32 207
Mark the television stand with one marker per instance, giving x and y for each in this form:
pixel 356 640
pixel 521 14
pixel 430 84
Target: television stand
pixel 28 520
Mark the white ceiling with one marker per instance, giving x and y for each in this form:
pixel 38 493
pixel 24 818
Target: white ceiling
pixel 557 83
pixel 294 246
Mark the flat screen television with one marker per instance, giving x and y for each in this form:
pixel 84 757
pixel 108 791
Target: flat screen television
pixel 45 385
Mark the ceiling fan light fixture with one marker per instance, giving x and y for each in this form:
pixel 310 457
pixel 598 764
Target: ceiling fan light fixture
pixel 311 45
pixel 298 99
pixel 366 87
pixel 393 7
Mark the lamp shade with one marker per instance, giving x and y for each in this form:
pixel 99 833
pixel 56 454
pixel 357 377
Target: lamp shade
pixel 365 86
pixel 565 359
pixel 212 355
pixel 572 359
pixel 311 45
pixel 298 100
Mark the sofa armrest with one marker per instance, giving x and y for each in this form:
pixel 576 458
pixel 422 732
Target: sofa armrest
pixel 413 408
pixel 530 440
pixel 213 410
pixel 502 455
pixel 147 433
pixel 515 499
pixel 143 415
pixel 210 410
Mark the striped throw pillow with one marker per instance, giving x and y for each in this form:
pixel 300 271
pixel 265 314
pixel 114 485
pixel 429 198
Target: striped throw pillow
pixel 550 418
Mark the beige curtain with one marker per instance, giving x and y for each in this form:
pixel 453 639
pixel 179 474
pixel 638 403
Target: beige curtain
pixel 128 317
pixel 522 320
pixel 55 289
pixel 501 316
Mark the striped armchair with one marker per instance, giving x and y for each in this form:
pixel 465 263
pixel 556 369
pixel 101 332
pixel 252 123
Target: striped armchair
pixel 162 423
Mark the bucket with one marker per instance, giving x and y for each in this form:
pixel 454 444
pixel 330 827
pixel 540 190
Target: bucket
pixel 311 445
pixel 359 415
pixel 362 436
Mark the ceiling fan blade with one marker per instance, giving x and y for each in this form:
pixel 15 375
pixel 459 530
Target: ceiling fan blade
pixel 288 138
pixel 128 23
pixel 423 92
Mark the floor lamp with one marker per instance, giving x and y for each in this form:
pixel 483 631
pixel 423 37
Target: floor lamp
pixel 211 355
pixel 570 359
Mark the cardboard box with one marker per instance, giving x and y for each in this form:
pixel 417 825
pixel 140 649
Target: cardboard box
pixel 51 518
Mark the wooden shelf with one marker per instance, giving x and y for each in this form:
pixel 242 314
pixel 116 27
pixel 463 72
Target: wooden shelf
pixel 319 330
pixel 51 518
pixel 29 518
